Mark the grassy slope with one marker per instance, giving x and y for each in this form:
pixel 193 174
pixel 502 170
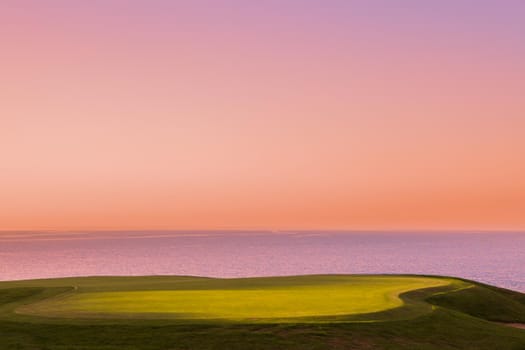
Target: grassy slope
pixel 448 327
pixel 483 302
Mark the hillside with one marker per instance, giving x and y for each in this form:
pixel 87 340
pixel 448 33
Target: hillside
pixel 298 312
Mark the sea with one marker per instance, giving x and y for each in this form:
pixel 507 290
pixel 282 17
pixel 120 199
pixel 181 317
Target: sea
pixel 496 258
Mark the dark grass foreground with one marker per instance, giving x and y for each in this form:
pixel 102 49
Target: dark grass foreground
pixel 465 319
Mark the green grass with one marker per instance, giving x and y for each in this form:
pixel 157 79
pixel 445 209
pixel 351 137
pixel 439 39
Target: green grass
pixel 274 301
pixel 301 312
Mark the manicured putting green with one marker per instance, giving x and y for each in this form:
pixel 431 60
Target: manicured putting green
pixel 334 296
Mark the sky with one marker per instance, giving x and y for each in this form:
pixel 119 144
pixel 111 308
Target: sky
pixel 275 114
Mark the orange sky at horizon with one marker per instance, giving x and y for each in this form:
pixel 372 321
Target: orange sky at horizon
pixel 283 118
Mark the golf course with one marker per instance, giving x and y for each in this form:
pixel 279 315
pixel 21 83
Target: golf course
pixel 295 312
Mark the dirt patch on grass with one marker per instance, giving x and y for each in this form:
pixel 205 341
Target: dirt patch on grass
pixel 515 325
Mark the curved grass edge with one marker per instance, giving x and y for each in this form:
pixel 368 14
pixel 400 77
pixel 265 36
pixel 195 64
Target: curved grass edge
pixel 414 304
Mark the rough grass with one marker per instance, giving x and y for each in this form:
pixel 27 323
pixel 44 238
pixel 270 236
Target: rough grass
pixel 484 303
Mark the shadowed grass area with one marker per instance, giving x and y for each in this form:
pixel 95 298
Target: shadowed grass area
pixel 483 302
pixel 453 315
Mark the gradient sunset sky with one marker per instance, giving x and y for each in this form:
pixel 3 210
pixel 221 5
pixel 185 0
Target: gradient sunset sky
pixel 271 114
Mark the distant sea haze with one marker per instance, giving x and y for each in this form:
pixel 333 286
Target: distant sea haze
pixel 494 258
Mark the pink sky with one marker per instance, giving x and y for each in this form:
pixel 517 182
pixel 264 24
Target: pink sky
pixel 278 114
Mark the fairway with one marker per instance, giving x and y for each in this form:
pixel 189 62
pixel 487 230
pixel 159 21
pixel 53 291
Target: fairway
pixel 237 299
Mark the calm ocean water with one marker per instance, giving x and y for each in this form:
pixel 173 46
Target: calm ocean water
pixel 495 258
